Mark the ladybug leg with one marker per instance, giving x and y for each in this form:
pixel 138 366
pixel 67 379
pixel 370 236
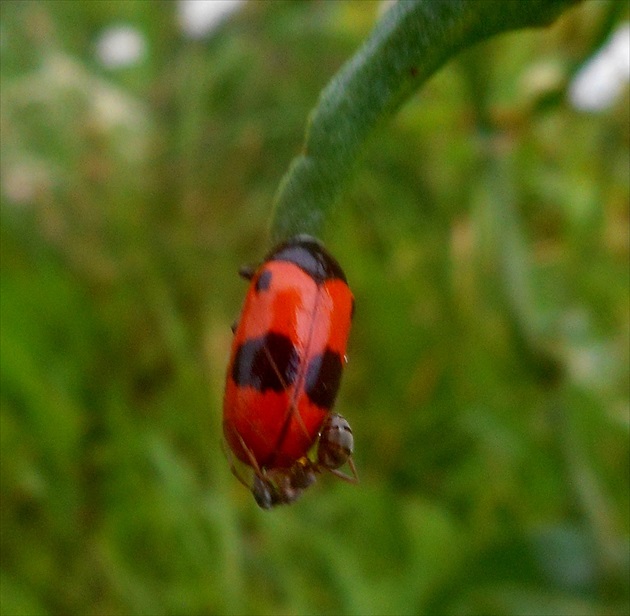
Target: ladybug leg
pixel 246 271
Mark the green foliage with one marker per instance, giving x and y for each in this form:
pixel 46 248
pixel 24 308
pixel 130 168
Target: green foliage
pixel 411 41
pixel 485 236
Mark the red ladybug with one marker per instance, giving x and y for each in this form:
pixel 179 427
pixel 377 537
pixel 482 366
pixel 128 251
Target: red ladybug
pixel 285 368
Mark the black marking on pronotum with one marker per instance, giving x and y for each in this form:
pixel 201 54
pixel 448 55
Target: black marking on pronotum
pixel 268 362
pixel 323 377
pixel 309 255
pixel 263 281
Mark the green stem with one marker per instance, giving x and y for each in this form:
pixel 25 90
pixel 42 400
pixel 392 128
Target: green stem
pixel 412 40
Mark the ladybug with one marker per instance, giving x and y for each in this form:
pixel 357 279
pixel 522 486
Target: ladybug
pixel 285 368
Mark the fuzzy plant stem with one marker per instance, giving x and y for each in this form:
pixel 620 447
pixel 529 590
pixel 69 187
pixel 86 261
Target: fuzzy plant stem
pixel 409 43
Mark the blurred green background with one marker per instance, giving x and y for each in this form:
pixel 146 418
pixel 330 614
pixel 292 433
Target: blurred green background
pixel 485 237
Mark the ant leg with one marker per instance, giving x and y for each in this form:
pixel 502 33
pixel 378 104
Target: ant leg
pixel 233 469
pixel 252 460
pixel 350 479
pixel 264 491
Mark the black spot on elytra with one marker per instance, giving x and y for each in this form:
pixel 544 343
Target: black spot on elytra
pixel 269 362
pixel 263 281
pixel 309 255
pixel 323 377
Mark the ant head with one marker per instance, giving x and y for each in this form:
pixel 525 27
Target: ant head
pixel 336 442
